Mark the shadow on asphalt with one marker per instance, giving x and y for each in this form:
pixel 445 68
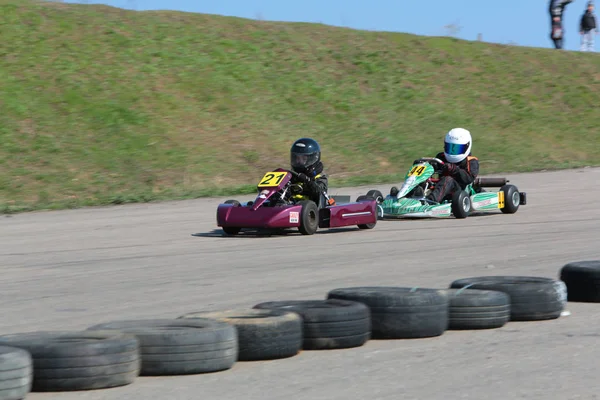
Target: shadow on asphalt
pixel 218 233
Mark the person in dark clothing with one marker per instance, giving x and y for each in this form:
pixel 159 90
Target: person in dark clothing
pixel 587 28
pixel 556 34
pixel 306 162
pixel 557 9
pixel 459 168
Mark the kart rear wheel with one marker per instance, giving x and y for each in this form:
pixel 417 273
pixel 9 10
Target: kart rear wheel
pixel 309 217
pixel 228 229
pixel 461 204
pixel 512 199
pixel 376 194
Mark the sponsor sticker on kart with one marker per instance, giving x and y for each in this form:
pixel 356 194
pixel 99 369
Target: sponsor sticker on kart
pixel 294 217
pixel 482 203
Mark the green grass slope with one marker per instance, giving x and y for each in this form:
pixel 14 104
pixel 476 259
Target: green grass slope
pixel 100 105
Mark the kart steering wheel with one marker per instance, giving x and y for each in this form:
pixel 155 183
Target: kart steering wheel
pixel 435 162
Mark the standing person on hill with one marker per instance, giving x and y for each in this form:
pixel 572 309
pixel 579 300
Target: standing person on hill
pixel 587 28
pixel 557 9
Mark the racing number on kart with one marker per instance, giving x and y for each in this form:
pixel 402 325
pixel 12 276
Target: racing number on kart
pixel 417 170
pixel 272 179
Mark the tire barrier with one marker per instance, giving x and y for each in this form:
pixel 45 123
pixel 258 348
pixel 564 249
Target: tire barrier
pixel 114 354
pixel 477 309
pixel 180 346
pixel 401 313
pixel 582 279
pixel 65 361
pixel 328 324
pixel 16 373
pixel 262 334
pixel 531 298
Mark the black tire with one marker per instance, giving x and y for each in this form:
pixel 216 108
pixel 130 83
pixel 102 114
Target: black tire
pixel 477 309
pixel 309 217
pixel 362 198
pixel 461 204
pixel 367 226
pixel 262 334
pixel 232 231
pixel 65 361
pixel 181 346
pixel 16 373
pixel 400 313
pixel 582 279
pixel 376 194
pixel 512 199
pixel 531 298
pixel 328 324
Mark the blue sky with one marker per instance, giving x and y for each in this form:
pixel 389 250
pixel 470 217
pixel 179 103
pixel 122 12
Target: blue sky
pixel 522 22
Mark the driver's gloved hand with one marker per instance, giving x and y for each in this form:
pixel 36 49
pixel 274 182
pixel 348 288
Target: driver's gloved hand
pixel 303 178
pixel 450 169
pixel 312 187
pixel 296 189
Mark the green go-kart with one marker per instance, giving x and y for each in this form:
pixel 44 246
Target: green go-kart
pixel 410 200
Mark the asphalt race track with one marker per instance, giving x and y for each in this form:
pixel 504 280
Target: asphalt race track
pixel 69 270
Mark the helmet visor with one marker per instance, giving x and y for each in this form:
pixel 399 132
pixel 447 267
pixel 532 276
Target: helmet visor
pixel 455 149
pixel 303 160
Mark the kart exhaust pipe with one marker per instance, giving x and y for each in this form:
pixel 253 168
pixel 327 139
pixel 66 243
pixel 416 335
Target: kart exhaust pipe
pixel 490 182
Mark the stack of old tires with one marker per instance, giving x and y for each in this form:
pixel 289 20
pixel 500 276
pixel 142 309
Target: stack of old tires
pixel 115 353
pixel 16 373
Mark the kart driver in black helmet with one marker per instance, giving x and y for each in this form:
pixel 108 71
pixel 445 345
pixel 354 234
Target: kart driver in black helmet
pixel 305 159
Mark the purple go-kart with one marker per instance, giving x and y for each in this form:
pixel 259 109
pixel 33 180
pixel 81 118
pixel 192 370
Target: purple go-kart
pixel 279 205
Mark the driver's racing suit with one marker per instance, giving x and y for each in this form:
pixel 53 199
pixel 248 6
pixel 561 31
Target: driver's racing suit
pixel 454 177
pixel 313 183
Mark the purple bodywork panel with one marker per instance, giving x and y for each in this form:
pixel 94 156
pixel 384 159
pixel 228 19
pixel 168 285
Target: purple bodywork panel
pixel 364 212
pixel 263 217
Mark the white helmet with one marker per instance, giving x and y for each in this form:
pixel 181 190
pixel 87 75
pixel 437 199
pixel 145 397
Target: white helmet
pixel 457 145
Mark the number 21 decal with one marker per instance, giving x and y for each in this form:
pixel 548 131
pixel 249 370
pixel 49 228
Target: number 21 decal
pixel 272 179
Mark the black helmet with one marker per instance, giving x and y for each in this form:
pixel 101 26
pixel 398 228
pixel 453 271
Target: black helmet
pixel 305 153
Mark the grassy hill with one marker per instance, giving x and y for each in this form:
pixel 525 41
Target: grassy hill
pixel 100 105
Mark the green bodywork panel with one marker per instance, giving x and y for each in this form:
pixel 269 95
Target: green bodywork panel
pixel 419 173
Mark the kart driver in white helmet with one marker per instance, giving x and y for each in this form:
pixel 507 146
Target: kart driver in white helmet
pixel 459 169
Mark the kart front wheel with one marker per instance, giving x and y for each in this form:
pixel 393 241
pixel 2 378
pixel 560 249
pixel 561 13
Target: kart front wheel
pixel 231 230
pixel 376 194
pixel 309 217
pixel 367 226
pixel 512 199
pixel 461 204
pixel 228 229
